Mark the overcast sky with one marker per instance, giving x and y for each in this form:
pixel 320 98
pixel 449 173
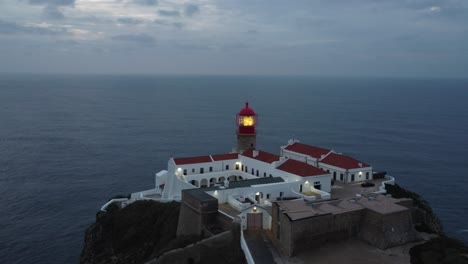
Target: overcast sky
pixel 407 38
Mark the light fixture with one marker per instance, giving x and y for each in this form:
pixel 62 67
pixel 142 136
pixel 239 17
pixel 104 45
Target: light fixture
pixel 255 209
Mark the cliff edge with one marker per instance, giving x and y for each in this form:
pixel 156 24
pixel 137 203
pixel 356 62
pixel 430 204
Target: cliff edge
pixel 145 231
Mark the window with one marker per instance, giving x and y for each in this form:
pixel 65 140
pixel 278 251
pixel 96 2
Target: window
pixel 185 171
pixel 201 170
pixel 257 173
pixel 352 177
pixel 211 169
pixel 334 175
pixel 237 166
pixel 246 169
pixel 281 194
pixel 193 170
pixel 367 175
pixel 268 196
pixel 242 167
pixel 271 175
pixel 264 174
pixel 252 171
pixel 341 176
pixel 227 167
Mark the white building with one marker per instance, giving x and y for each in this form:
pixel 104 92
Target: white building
pixel 252 176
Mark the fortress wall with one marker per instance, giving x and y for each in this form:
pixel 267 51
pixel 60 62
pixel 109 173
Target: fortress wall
pixel 195 213
pixel 299 235
pixel 387 230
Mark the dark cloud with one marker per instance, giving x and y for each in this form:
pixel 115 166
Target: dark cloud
pixel 9 28
pixel 53 2
pixel 53 12
pixel 191 9
pixel 136 38
pixel 170 13
pixel 129 21
pixel 146 2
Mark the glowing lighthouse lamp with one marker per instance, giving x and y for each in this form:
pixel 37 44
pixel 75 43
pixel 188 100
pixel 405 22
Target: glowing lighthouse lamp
pixel 246 134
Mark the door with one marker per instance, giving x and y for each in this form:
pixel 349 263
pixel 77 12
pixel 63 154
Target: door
pixel 254 221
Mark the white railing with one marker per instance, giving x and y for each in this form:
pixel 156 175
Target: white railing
pixel 239 206
pixel 142 194
pixel 323 195
pixel 389 180
pixel 117 200
pixel 245 248
pixel 305 197
pixel 223 213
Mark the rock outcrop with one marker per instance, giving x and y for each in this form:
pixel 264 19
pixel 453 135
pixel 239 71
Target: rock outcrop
pixel 144 230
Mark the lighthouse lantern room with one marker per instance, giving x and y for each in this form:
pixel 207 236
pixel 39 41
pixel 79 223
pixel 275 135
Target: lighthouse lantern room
pixel 246 134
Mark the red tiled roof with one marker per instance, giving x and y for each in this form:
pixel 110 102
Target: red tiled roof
pixel 312 151
pixel 230 156
pixel 262 156
pixel 342 161
pixel 192 160
pixel 300 168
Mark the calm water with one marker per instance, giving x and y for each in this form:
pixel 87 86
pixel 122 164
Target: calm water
pixel 68 143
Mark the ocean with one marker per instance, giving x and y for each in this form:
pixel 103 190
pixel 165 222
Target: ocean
pixel 68 143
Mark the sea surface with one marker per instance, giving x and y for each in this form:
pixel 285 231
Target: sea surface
pixel 68 143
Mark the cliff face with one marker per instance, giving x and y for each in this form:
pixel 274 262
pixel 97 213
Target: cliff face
pixel 145 230
pixel 440 249
pixel 139 232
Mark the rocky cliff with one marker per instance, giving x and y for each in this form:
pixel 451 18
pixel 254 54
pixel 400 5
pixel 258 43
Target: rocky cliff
pixel 440 249
pixel 144 230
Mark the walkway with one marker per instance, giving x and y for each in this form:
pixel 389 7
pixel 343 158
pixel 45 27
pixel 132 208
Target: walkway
pixel 262 249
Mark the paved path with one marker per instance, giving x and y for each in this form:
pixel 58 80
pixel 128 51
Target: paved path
pixel 258 247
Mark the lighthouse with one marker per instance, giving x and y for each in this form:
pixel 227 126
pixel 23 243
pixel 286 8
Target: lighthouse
pixel 246 134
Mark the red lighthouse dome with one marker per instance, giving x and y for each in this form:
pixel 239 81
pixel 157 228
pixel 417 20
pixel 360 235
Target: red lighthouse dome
pixel 247 111
pixel 246 120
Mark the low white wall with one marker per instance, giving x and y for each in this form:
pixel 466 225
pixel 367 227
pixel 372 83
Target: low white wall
pixel 245 248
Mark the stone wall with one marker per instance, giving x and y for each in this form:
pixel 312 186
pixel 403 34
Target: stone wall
pixel 195 213
pixel 380 230
pixel 387 230
pixel 221 248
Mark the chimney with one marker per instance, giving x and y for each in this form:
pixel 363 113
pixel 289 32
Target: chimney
pixel 254 153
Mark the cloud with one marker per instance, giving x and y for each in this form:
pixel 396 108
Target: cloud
pixel 53 2
pixel 135 38
pixel 146 2
pixel 432 10
pixel 191 9
pixel 52 12
pixel 129 21
pixel 169 13
pixel 9 28
pixel 167 23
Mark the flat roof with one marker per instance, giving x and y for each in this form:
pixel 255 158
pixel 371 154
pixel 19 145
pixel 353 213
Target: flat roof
pixel 300 209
